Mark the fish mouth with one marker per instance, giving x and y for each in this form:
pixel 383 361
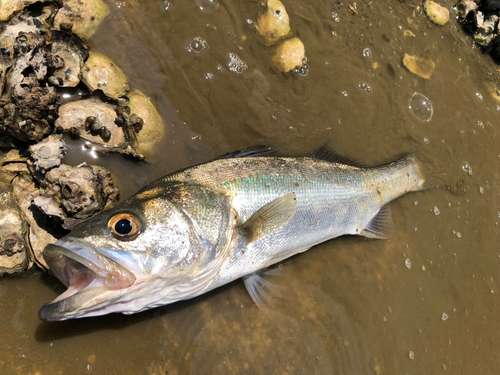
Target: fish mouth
pixel 93 280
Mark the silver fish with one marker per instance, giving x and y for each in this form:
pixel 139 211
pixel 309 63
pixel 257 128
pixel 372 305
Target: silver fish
pixel 195 230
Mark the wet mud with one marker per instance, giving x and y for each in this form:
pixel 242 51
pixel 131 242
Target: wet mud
pixel 423 302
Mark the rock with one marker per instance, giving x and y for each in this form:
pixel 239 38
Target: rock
pixel 289 55
pixel 100 72
pixel 436 13
pixel 153 129
pixel 274 24
pixel 419 66
pixel 83 17
pixel 14 249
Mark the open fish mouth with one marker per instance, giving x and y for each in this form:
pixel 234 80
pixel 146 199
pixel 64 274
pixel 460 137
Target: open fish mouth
pixel 90 278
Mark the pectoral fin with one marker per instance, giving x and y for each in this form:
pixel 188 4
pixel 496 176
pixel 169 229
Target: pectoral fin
pixel 259 288
pixel 270 218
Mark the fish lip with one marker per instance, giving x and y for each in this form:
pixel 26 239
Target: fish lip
pixel 87 273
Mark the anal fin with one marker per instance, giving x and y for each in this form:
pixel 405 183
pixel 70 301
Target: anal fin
pixel 381 226
pixel 270 218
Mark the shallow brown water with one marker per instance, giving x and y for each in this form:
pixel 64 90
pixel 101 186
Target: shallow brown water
pixel 423 302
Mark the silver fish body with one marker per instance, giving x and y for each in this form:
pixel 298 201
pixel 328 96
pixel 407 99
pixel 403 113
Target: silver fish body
pixel 203 227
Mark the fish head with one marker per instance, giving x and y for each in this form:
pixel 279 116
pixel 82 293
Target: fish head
pixel 143 254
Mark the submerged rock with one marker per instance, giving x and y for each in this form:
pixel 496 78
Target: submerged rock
pixel 289 55
pixel 419 65
pixel 14 249
pixel 274 24
pixel 152 129
pixel 436 13
pixel 101 73
pixel 81 17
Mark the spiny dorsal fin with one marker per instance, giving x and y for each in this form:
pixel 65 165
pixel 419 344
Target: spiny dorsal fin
pixel 381 226
pixel 251 152
pixel 270 218
pixel 325 153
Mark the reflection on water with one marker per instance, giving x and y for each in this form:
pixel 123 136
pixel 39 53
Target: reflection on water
pixel 422 302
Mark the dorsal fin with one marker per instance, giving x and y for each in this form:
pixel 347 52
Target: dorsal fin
pixel 251 152
pixel 325 153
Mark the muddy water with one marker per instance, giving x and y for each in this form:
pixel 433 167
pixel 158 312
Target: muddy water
pixel 423 302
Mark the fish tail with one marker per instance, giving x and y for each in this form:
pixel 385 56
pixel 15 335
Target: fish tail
pixel 414 172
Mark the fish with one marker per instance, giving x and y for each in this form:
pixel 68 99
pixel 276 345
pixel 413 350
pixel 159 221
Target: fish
pixel 205 226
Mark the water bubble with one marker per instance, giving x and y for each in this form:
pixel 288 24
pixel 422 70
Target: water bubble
pixel 459 235
pixel 365 87
pixel 334 33
pixel 467 168
pixel 209 76
pixel 408 263
pixel 444 317
pixel 165 6
pixel 196 46
pixel 479 96
pixel 121 4
pixel 335 17
pixel 236 64
pixel 436 211
pixel 421 107
pixel 367 52
pixel 207 6
pixel 344 94
pixel 480 124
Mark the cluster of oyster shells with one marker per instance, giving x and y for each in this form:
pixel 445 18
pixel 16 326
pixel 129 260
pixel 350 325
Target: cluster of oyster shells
pixel 42 198
pixel 480 17
pixel 52 83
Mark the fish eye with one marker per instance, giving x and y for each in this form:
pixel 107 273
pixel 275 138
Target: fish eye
pixel 125 226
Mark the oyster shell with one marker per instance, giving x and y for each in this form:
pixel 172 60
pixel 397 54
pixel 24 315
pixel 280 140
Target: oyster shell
pixel 83 17
pixel 274 24
pixel 75 115
pixel 436 13
pixel 68 53
pixel 101 73
pixel 419 65
pixel 73 194
pixel 14 249
pixel 9 7
pixel 153 129
pixel 289 55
